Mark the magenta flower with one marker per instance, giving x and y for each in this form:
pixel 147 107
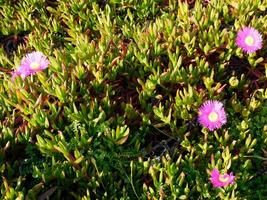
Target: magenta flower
pixel 212 115
pixel 221 180
pixel 30 64
pixel 20 72
pixel 249 39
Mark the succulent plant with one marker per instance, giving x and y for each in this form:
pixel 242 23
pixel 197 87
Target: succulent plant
pixel 114 114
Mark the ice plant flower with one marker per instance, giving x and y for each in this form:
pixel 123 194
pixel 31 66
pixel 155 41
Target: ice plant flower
pixel 31 63
pixel 249 39
pixel 221 180
pixel 212 115
pixel 20 72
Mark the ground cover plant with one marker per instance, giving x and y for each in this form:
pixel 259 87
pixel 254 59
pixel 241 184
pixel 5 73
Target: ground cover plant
pixel 131 99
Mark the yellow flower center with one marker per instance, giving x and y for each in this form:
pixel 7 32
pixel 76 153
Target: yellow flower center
pixel 223 178
pixel 34 65
pixel 213 116
pixel 249 40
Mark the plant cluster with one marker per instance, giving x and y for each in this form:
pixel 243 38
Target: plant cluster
pixel 130 99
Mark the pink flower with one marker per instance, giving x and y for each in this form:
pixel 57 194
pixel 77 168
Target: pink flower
pixel 249 39
pixel 212 115
pixel 221 180
pixel 30 64
pixel 20 72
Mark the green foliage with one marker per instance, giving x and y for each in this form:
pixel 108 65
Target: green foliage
pixel 115 114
